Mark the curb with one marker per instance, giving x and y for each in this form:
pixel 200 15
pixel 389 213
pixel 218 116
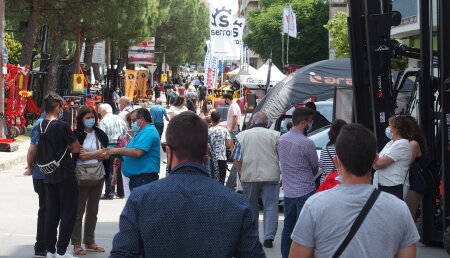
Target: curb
pixel 14 162
pixel 14 159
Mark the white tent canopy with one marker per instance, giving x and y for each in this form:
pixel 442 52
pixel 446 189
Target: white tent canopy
pixel 260 76
pixel 242 70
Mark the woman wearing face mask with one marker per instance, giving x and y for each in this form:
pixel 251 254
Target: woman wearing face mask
pixel 92 156
pixel 207 108
pixel 392 166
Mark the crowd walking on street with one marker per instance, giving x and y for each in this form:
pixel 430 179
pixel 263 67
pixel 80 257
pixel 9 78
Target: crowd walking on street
pixel 194 211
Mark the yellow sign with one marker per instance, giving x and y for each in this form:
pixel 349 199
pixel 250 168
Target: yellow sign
pixel 163 77
pixel 170 73
pixel 142 83
pixel 78 83
pixel 131 90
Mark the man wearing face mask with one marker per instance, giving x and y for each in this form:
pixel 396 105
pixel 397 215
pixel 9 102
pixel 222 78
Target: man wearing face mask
pixel 299 163
pixel 56 142
pixel 256 159
pixel 141 157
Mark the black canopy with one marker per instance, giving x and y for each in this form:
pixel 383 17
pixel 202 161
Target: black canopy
pixel 315 80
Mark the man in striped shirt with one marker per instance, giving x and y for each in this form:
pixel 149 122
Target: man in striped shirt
pixel 299 164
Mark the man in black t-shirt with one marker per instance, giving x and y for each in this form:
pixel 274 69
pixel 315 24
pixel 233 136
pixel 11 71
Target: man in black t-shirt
pixel 56 142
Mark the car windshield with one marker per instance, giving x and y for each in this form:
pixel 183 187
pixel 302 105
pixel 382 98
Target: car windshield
pixel 320 137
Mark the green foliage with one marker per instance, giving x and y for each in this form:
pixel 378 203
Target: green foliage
pixel 182 35
pixel 14 49
pixel 311 44
pixel 339 34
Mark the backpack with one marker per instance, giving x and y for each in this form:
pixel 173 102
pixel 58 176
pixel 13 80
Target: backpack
pixel 46 160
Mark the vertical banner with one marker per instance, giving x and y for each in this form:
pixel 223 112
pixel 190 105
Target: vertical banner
pixel 142 83
pixel 238 32
pixel 130 83
pixel 221 27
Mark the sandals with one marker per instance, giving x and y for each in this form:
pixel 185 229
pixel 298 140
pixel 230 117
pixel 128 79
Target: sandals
pixel 78 250
pixel 95 248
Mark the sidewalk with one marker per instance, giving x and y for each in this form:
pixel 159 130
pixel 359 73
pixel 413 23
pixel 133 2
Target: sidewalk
pixel 11 159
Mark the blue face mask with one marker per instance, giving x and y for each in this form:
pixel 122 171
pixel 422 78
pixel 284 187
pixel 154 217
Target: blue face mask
pixel 60 116
pixel 339 178
pixel 310 125
pixel 135 127
pixel 89 123
pixel 388 133
pixel 208 106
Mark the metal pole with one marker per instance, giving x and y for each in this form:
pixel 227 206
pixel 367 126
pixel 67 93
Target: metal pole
pixel 2 84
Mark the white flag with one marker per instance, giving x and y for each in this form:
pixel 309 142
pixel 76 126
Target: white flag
pixel 289 22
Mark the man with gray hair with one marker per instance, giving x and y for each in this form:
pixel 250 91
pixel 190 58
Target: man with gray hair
pixel 256 159
pixel 124 107
pixel 113 126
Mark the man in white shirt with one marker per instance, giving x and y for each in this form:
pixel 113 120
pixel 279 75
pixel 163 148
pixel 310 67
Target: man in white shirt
pixel 124 107
pixel 114 126
pixel 388 230
pixel 233 116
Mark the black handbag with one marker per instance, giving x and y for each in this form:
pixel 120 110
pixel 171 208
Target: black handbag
pixel 416 179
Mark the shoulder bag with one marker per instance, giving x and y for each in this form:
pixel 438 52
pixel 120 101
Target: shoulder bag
pixel 358 222
pixel 90 174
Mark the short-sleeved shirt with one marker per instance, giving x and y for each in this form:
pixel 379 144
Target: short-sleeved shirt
pixel 60 136
pixel 147 139
pixel 158 113
pixel 217 137
pixel 234 110
pixel 396 173
pixel 326 219
pixel 114 126
pixel 37 174
pixel 177 110
pixel 298 163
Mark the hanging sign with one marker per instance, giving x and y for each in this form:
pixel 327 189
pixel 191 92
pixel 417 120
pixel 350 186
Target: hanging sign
pixel 221 27
pixel 143 53
pixel 164 77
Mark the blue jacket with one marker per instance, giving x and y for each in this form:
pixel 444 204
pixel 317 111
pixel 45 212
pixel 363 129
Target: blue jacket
pixel 187 214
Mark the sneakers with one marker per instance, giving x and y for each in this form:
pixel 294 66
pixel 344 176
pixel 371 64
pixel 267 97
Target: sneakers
pixel 268 243
pixel 66 255
pixel 50 255
pixel 42 253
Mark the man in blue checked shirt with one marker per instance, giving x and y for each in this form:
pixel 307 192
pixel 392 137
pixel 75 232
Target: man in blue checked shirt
pixel 187 214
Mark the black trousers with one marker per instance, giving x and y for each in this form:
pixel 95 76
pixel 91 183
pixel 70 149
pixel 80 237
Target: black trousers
pixel 222 170
pixel 62 202
pixel 159 128
pixel 39 188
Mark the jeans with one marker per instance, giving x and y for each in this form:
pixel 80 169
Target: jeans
pixel 269 193
pixel 159 128
pixel 143 179
pixel 62 200
pixel 292 209
pixel 109 189
pixel 88 201
pixel 39 188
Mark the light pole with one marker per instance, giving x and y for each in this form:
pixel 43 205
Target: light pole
pixel 2 83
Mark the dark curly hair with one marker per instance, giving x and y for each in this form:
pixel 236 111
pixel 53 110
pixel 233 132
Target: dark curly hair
pixel 84 110
pixel 417 135
pixel 179 101
pixel 403 126
pixel 335 129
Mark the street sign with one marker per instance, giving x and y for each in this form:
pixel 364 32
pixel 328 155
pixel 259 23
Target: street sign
pixel 163 77
pixel 5 56
pixel 78 83
pixel 152 68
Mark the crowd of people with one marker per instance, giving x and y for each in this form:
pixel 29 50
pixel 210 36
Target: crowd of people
pixel 194 211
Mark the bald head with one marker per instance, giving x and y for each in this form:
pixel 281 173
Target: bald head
pixel 158 101
pixel 260 118
pixel 124 102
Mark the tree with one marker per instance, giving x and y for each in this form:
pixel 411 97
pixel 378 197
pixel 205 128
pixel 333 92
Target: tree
pixel 311 44
pixel 14 49
pixel 183 34
pixel 339 34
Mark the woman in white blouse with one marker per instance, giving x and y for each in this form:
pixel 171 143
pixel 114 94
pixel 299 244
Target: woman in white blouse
pixel 177 107
pixel 391 174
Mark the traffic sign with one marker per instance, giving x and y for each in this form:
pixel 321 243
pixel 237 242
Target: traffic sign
pixel 5 56
pixel 163 77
